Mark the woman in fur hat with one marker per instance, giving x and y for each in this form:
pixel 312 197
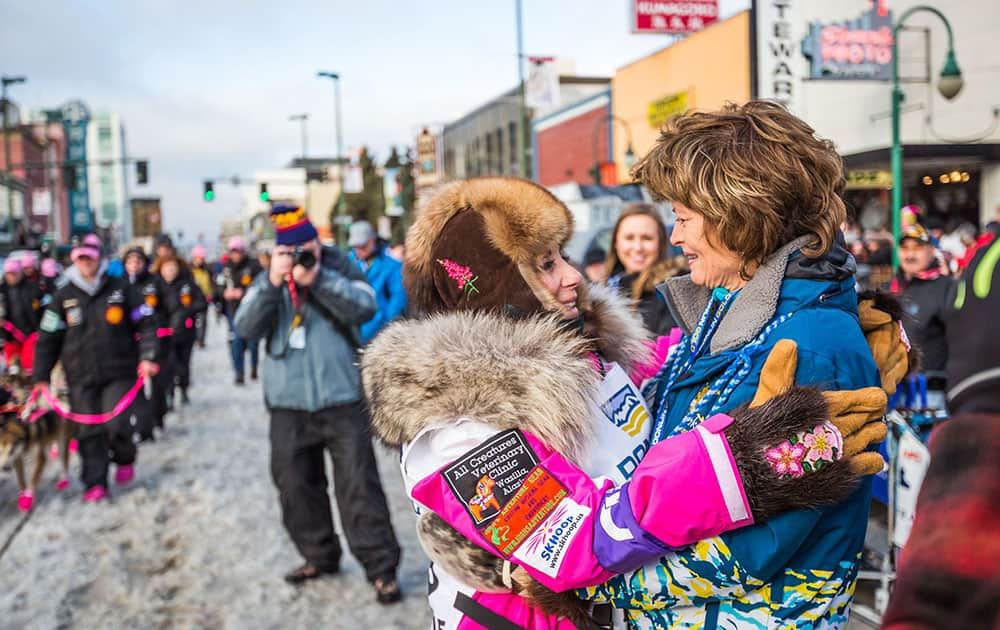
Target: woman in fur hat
pixel 514 395
pixel 637 263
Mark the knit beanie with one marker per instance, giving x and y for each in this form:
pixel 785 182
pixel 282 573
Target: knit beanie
pixel 291 226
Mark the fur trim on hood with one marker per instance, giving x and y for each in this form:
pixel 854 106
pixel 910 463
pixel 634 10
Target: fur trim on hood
pixel 533 373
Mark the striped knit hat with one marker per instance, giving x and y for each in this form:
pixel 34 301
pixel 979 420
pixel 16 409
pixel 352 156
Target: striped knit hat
pixel 291 227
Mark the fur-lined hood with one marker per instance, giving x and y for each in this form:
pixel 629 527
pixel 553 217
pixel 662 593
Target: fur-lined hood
pixel 533 373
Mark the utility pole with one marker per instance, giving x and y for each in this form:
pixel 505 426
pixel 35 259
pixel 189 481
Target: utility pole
pixel 4 82
pixel 303 118
pixel 341 202
pixel 522 113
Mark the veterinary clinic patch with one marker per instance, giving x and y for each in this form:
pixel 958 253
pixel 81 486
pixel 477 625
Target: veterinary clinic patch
pixel 546 548
pixel 74 316
pixel 245 280
pixel 50 321
pixel 150 300
pixel 114 315
pixel 485 478
pixel 186 299
pixel 538 495
pixel 116 297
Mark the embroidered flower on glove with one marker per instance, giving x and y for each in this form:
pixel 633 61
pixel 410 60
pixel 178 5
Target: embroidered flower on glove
pixel 786 459
pixel 806 452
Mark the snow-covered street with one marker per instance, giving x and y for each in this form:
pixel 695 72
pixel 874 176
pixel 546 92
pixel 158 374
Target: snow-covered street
pixel 196 540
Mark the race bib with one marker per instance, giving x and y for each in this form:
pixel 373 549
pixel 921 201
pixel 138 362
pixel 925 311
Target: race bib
pixel 622 425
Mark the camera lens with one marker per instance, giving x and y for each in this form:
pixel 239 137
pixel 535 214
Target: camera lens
pixel 305 257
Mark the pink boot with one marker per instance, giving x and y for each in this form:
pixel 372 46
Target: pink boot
pixel 25 500
pixel 95 494
pixel 62 484
pixel 124 474
pixel 73 445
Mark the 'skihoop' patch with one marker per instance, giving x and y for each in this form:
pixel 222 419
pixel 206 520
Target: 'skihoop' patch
pixel 538 495
pixel 485 478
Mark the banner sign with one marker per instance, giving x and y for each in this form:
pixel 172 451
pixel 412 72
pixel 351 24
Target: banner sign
pixel 392 189
pixel 857 180
pixel 75 117
pixel 673 17
pixel 660 110
pixel 859 49
pixel 778 29
pixel 427 159
pixel 541 89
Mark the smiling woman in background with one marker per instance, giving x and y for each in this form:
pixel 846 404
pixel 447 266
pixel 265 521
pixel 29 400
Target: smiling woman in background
pixel 638 262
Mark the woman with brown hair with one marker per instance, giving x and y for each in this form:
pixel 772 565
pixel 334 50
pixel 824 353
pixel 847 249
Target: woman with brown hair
pixel 757 198
pixel 637 263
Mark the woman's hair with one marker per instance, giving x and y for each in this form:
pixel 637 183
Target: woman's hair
pixel 757 173
pixel 162 260
pixel 612 263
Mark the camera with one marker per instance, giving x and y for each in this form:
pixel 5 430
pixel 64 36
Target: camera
pixel 304 257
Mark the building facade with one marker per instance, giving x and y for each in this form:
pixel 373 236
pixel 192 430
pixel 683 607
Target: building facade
pixel 570 142
pixel 702 71
pixel 106 175
pixel 484 141
pixel 951 148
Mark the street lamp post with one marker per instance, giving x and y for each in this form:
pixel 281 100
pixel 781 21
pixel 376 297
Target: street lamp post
pixel 4 82
pixel 629 158
pixel 335 77
pixel 303 119
pixel 949 85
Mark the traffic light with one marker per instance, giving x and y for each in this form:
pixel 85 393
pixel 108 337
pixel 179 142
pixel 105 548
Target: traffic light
pixel 209 190
pixel 142 172
pixel 263 191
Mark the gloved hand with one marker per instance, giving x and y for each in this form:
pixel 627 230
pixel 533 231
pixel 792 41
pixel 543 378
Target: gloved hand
pixel 790 441
pixel 881 321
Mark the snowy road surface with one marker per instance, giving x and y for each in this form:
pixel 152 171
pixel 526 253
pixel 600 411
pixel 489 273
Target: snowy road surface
pixel 196 540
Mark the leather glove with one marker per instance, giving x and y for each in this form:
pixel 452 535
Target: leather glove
pixel 881 321
pixel 797 447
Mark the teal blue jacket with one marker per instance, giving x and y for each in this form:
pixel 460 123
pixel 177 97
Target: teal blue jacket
pixel 797 570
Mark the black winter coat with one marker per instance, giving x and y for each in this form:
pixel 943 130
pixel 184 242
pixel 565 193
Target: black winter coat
pixel 184 300
pixel 21 306
pixel 95 336
pixel 237 276
pixel 146 288
pixel 924 302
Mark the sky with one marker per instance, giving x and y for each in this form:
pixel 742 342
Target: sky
pixel 205 88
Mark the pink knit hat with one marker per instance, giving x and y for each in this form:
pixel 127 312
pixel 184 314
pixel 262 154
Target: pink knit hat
pixel 50 268
pixel 29 259
pixel 236 243
pixel 12 265
pixel 198 251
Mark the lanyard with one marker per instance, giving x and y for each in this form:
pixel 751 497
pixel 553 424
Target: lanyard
pixel 699 338
pixel 294 294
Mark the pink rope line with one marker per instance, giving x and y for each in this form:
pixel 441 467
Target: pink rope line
pixel 82 418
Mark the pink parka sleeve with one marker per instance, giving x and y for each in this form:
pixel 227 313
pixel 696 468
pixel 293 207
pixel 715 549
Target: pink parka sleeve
pixel 522 501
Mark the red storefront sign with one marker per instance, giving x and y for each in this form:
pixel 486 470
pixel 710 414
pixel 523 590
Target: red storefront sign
pixel 678 17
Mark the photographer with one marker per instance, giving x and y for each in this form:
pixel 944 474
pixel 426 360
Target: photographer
pixel 308 307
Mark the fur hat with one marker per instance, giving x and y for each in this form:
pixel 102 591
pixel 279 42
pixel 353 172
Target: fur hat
pixel 475 245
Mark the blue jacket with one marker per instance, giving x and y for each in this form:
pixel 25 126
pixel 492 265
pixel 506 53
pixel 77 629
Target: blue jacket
pixel 797 570
pixel 385 275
